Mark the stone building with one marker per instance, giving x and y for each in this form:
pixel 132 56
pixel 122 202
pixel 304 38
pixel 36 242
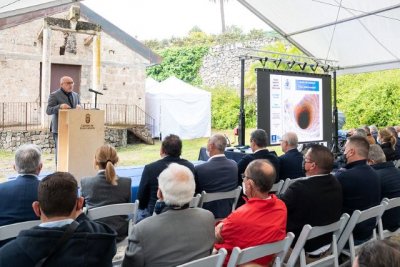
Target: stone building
pixel 101 57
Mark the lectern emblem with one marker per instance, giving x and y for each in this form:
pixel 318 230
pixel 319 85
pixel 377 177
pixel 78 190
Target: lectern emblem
pixel 87 119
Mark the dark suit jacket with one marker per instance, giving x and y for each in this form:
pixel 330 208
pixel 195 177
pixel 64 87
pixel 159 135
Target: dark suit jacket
pixel 361 190
pixel 17 197
pixel 98 192
pixel 315 200
pixel 147 192
pixel 291 165
pixel 390 153
pixel 390 186
pixel 219 174
pixel 55 100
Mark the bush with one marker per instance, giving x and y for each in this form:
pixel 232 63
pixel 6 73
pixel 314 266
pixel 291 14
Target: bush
pixel 225 107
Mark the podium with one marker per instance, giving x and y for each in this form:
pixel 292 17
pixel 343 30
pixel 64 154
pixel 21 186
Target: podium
pixel 80 133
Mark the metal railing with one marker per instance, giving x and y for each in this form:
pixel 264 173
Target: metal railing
pixel 27 116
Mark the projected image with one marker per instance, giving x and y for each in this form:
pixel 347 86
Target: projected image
pixel 296 106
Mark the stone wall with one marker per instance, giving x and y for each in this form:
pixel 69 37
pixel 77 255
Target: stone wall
pixel 11 140
pixel 221 66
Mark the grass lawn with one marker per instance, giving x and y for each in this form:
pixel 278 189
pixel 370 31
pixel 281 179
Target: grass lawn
pixel 132 155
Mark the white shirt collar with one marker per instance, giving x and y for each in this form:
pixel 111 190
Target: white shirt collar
pixel 216 156
pixel 59 223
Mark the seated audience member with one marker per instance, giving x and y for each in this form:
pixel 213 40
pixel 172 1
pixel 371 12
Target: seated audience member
pixel 390 184
pixel 393 131
pixel 387 141
pixel 359 132
pixel 107 188
pixel 170 152
pixel 258 144
pixel 370 138
pixel 291 162
pixel 17 195
pixel 178 234
pixel 397 128
pixel 261 220
pixel 374 132
pixel 86 243
pixel 378 253
pixel 315 200
pixel 360 185
pixel 218 174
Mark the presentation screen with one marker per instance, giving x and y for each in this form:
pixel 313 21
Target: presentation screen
pixel 294 102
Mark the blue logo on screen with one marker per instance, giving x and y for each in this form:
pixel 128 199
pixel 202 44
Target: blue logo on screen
pixel 304 85
pixel 273 138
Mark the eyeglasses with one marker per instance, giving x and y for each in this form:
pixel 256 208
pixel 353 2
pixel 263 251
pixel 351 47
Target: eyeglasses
pixel 245 176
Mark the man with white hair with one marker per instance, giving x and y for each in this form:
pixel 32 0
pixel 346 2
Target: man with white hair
pixel 291 162
pixel 177 235
pixel 18 195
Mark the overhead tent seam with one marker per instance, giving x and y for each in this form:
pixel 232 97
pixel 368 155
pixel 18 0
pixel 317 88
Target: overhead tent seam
pixel 334 29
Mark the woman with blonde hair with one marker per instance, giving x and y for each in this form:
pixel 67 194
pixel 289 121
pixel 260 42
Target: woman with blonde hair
pixel 387 142
pixel 107 188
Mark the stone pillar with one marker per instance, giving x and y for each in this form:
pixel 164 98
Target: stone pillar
pixel 96 63
pixel 46 73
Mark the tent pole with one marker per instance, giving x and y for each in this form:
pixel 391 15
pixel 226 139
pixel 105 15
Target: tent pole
pixel 335 118
pixel 242 122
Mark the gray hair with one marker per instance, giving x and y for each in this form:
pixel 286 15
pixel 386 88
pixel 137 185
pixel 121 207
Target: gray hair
pixel 291 139
pixel 360 132
pixel 219 141
pixel 259 137
pixel 373 129
pixel 376 154
pixel 177 184
pixel 27 159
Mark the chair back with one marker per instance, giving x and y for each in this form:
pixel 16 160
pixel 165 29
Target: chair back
pixel 389 204
pixel 280 248
pixel 308 232
pixel 287 183
pixel 127 209
pixel 277 187
pixel 208 197
pixel 356 218
pixel 194 203
pixel 216 260
pixel 12 230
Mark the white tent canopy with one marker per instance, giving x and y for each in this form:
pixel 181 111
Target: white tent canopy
pixel 360 36
pixel 179 108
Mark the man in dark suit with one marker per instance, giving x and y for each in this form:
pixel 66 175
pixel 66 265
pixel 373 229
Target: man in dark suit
pixel 360 184
pixel 63 98
pixel 171 149
pixel 315 200
pixel 390 184
pixel 18 195
pixel 218 174
pixel 291 162
pixel 258 144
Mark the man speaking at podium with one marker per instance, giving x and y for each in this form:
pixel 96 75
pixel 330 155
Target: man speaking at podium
pixel 63 98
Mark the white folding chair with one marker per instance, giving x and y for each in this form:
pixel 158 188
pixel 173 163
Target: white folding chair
pixel 280 248
pixel 127 209
pixel 12 230
pixel 356 218
pixel 208 197
pixel 390 204
pixel 308 232
pixel 194 203
pixel 216 260
pixel 277 187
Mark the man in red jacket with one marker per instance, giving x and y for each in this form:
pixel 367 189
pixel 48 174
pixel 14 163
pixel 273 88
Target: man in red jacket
pixel 261 220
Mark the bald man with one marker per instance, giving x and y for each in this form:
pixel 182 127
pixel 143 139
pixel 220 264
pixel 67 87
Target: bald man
pixel 63 98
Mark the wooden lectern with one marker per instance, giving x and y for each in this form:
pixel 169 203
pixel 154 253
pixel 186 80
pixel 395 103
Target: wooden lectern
pixel 80 133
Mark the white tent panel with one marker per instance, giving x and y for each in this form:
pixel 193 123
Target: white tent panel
pixel 179 108
pixel 358 35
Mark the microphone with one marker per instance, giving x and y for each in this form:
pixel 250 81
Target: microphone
pixel 94 91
